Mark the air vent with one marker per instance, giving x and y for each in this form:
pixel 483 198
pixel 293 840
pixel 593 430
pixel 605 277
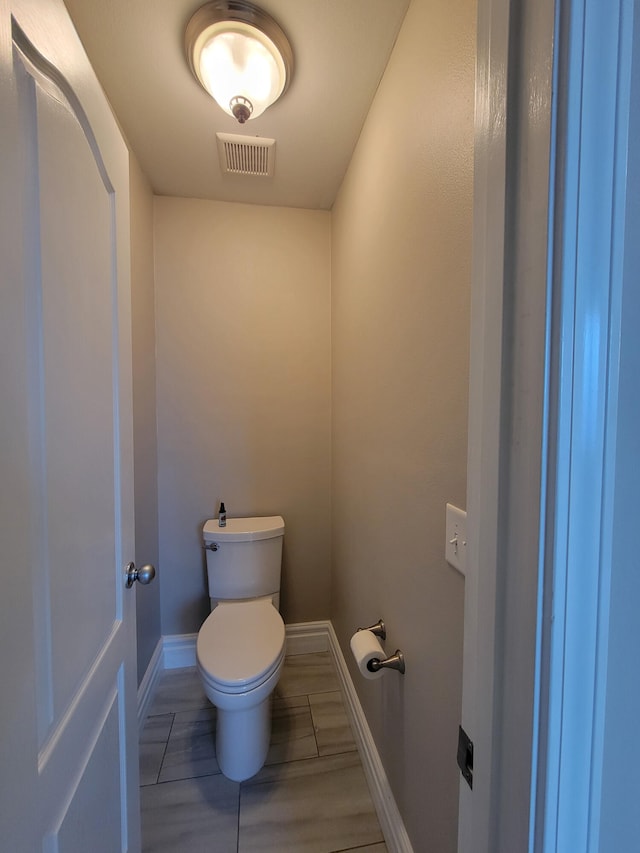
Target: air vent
pixel 246 155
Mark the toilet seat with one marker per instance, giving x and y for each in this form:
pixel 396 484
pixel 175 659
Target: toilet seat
pixel 240 644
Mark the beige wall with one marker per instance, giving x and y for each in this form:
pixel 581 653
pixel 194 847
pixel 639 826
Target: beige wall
pixel 401 264
pixel 243 362
pixel 144 412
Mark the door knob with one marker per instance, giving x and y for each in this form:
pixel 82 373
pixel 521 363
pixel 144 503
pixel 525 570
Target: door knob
pixel 144 575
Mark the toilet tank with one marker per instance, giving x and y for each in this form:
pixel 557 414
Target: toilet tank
pixel 247 557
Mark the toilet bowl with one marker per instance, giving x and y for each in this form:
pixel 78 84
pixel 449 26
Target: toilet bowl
pixel 240 653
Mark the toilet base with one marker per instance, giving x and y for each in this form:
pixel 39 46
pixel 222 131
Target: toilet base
pixel 242 740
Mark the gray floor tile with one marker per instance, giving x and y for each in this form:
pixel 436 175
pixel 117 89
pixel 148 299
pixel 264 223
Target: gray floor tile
pixel 179 690
pixel 292 735
pixel 153 742
pixel 194 815
pixel 317 805
pixel 310 797
pixel 191 750
pixel 331 724
pixel 293 770
pixel 306 674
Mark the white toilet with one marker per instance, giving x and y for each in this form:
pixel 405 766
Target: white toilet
pixel 241 645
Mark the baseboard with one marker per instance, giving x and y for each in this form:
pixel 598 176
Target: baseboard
pixel 393 828
pixel 305 638
pixel 302 638
pixel 179 650
pixel 147 687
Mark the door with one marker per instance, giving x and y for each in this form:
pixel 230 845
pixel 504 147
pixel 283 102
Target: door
pixel 68 754
pixel 562 780
pixel 507 416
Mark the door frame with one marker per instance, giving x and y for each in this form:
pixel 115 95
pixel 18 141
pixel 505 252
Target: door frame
pixel 525 788
pixel 483 453
pixel 506 416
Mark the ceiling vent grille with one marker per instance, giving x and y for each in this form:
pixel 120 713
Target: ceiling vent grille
pixel 246 155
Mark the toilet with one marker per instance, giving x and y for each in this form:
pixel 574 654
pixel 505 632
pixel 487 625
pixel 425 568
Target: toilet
pixel 241 644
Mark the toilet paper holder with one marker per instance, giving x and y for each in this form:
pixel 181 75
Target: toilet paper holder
pixel 395 661
pixel 378 629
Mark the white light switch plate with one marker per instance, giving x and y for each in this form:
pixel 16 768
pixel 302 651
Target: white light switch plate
pixel 455 549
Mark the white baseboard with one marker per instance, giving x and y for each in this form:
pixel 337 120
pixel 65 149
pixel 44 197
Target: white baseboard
pixel 302 638
pixel 393 828
pixel 149 682
pixel 179 650
pixel 305 638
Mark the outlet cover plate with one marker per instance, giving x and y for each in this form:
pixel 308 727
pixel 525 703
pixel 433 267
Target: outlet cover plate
pixel 455 549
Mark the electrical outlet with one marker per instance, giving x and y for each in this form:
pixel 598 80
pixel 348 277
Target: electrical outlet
pixel 455 549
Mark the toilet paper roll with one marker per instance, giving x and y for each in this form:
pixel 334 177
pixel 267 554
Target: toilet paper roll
pixel 365 646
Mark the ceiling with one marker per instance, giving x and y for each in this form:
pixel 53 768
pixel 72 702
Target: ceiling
pixel 341 48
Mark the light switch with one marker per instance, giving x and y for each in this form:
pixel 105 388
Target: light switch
pixel 455 549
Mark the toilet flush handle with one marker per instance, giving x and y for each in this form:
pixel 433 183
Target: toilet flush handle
pixel 144 575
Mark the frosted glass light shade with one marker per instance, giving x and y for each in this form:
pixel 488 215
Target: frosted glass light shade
pixel 242 66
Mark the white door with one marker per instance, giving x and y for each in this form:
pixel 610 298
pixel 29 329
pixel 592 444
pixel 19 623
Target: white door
pixel 68 768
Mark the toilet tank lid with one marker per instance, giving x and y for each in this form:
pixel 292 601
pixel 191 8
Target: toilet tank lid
pixel 243 529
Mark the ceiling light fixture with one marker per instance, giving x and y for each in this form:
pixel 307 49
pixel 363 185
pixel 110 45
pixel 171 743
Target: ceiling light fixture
pixel 240 55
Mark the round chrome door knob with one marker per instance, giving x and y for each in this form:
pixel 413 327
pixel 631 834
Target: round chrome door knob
pixel 144 575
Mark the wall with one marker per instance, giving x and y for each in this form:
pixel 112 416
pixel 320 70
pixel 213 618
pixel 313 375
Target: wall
pixel 401 268
pixel 243 366
pixel 144 413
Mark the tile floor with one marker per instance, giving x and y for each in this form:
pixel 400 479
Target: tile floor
pixel 310 797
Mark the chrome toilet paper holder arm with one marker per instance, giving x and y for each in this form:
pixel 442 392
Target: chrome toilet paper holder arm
pixel 396 661
pixel 378 629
